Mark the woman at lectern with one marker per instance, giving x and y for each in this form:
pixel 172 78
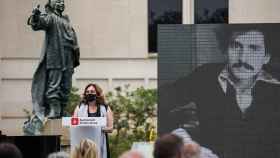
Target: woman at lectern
pixel 93 105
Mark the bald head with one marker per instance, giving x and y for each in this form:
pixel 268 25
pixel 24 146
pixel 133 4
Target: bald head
pixel 191 150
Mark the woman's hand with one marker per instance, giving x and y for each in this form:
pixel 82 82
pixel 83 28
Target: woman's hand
pixel 110 121
pixel 107 130
pixel 75 114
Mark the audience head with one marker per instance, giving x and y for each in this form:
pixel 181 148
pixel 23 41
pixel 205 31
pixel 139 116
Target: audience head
pixel 86 149
pixel 168 146
pixel 191 150
pixel 9 150
pixel 131 154
pixel 60 154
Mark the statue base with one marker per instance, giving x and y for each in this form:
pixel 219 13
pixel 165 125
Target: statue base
pixel 54 127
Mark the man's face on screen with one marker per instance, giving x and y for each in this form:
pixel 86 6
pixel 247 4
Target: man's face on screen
pixel 246 54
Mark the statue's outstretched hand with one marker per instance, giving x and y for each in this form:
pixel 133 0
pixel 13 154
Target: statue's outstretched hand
pixel 36 11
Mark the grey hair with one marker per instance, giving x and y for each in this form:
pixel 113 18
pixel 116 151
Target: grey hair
pixel 60 154
pixel 182 133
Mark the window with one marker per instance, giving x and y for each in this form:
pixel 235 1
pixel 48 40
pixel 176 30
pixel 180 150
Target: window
pixel 214 11
pixel 162 12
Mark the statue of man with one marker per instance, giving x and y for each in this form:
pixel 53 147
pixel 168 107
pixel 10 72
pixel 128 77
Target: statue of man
pixel 52 79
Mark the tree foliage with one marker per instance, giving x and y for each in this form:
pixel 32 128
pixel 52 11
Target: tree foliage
pixel 74 100
pixel 134 117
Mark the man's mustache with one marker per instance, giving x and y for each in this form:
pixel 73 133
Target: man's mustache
pixel 240 64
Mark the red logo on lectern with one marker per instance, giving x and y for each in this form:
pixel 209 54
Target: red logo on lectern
pixel 74 121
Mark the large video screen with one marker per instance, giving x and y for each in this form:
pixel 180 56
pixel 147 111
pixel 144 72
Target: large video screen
pixel 220 82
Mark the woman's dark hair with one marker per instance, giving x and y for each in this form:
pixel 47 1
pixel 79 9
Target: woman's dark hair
pixel 9 150
pixel 100 99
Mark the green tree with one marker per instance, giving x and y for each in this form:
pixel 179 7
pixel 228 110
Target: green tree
pixel 134 117
pixel 74 100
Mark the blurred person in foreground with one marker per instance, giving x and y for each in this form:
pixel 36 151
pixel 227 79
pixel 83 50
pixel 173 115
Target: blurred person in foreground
pixel 131 154
pixel 9 150
pixel 86 149
pixel 93 105
pixel 191 148
pixel 60 154
pixel 168 146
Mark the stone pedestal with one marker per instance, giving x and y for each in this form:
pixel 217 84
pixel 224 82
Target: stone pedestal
pixel 54 127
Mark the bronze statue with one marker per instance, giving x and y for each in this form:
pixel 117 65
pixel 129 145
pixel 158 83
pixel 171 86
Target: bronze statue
pixel 52 79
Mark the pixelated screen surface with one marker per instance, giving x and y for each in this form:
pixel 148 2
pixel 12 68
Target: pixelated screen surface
pixel 221 84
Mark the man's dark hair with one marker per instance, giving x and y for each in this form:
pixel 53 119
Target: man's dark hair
pixel 8 150
pixel 168 146
pixel 226 33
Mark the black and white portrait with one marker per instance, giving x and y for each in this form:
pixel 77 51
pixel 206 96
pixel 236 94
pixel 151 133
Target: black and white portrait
pixel 221 84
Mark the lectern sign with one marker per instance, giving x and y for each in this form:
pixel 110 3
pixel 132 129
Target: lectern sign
pixel 84 121
pixel 74 121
